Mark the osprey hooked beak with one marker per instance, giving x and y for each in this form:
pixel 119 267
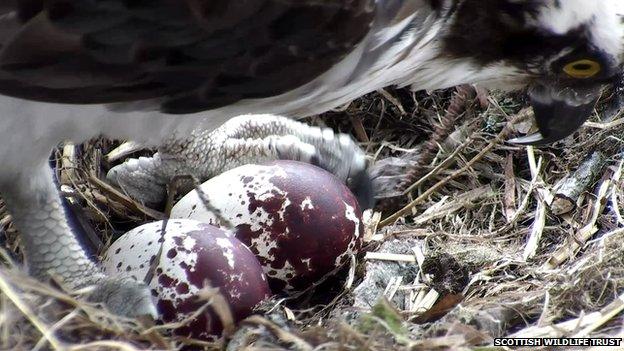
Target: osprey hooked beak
pixel 562 105
pixel 559 111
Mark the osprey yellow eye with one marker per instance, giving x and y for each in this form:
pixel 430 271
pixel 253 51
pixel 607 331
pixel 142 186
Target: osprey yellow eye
pixel 582 68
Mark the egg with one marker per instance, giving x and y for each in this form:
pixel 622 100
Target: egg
pixel 192 253
pixel 299 220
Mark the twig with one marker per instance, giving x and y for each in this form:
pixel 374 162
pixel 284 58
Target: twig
pixel 443 165
pixel 57 326
pixel 537 228
pixel 123 150
pixel 609 125
pixel 523 205
pixel 461 99
pixel 570 188
pixel 526 113
pixel 571 246
pixel 359 129
pixel 509 197
pixel 606 314
pixel 393 100
pixel 118 196
pixel 283 335
pixel 382 256
pixel 14 296
pixel 558 329
pixel 457 203
pixel 110 344
pixel 68 164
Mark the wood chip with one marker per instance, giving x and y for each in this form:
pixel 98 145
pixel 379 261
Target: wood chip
pixel 427 302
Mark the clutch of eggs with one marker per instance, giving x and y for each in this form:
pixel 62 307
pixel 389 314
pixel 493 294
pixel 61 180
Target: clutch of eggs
pixel 299 220
pixel 193 253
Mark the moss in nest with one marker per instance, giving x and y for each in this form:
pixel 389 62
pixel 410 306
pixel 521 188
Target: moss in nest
pixel 448 275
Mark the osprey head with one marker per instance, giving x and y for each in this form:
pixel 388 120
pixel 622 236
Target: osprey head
pixel 566 51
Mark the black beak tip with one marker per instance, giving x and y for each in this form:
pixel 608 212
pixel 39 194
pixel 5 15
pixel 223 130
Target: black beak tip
pixel 556 119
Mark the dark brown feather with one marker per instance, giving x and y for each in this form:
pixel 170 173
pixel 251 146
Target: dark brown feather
pixel 193 54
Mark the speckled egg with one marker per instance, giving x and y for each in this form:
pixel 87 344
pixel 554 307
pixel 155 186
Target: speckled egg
pixel 299 220
pixel 192 253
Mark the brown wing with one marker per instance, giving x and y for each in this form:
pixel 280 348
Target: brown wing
pixel 191 54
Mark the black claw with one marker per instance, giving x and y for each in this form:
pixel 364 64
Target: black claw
pixel 361 184
pixel 316 161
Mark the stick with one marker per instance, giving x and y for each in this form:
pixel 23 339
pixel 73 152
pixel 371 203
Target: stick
pixel 570 188
pixel 499 138
pixel 572 245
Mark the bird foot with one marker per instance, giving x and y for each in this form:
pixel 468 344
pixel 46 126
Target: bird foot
pixel 140 179
pixel 243 140
pixel 124 296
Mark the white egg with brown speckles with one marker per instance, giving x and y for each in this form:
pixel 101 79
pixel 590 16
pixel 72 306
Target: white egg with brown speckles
pixel 299 220
pixel 193 253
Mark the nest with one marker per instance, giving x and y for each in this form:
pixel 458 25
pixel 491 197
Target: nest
pixel 477 239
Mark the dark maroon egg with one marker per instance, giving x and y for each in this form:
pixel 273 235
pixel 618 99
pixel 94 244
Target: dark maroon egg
pixel 299 220
pixel 193 253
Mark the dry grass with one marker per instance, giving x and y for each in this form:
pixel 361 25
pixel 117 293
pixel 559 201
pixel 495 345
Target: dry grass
pixel 486 204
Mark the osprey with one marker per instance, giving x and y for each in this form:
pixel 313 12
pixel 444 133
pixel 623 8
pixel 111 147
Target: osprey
pixel 146 70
